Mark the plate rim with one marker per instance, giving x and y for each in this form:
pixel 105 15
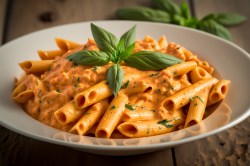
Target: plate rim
pixel 241 118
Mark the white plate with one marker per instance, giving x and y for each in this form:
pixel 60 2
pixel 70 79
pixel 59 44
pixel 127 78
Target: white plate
pixel 232 62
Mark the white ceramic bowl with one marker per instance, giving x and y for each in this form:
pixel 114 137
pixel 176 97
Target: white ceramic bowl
pixel 229 60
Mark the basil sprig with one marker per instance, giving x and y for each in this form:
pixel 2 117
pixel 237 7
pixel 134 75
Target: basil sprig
pixel 167 11
pixel 118 50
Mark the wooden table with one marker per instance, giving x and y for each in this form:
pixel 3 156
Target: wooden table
pixel 19 17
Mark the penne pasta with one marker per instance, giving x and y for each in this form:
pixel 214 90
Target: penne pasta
pixel 35 67
pixel 112 116
pixel 50 54
pixel 147 128
pixel 197 108
pixel 112 99
pixel 134 111
pixel 68 113
pixel 90 118
pixel 26 89
pixel 218 92
pixel 66 45
pixel 205 65
pixel 198 74
pixel 182 98
pixel 23 96
pixel 93 94
pixel 179 69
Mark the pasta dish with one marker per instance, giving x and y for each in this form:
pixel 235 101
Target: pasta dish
pixel 121 96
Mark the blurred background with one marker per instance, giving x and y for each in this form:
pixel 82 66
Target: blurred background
pixel 20 17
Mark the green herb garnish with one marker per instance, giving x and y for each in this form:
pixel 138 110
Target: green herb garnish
pixel 58 90
pixel 118 50
pixel 112 107
pixel 154 74
pixel 165 123
pixel 95 68
pixel 130 107
pixel 167 11
pixel 125 85
pixel 192 98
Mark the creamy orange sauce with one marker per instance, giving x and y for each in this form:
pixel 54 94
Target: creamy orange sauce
pixel 64 80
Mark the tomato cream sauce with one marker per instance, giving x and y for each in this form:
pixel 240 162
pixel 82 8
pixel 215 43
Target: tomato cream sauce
pixel 64 80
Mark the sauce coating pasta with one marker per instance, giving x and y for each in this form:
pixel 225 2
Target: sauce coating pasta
pixel 148 103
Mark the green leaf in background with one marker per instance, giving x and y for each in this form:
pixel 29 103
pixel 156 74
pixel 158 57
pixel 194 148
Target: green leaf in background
pixel 215 28
pixel 143 14
pixel 226 19
pixel 148 60
pixel 89 58
pixel 178 19
pixel 115 77
pixel 105 40
pixel 171 12
pixel 168 6
pixel 193 22
pixel 185 10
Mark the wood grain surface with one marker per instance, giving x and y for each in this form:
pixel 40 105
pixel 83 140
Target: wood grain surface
pixel 3 6
pixel 230 147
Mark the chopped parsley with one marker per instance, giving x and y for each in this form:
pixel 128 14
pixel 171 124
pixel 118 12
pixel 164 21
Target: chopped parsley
pixel 176 118
pixel 144 108
pixel 154 74
pixel 112 107
pixel 192 98
pixel 158 91
pixel 175 72
pixel 148 130
pixel 78 79
pixel 95 68
pixel 165 123
pixel 125 85
pixel 130 107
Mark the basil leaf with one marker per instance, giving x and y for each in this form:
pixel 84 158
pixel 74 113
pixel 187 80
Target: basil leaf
pixel 179 20
pixel 126 53
pixel 120 46
pixel 185 10
pixel 143 14
pixel 105 40
pixel 129 37
pixel 193 22
pixel 215 28
pixel 168 6
pixel 90 58
pixel 148 60
pixel 227 19
pixel 115 77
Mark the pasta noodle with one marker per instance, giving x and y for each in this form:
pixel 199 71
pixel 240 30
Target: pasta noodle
pixel 78 99
pixel 35 67
pixel 50 54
